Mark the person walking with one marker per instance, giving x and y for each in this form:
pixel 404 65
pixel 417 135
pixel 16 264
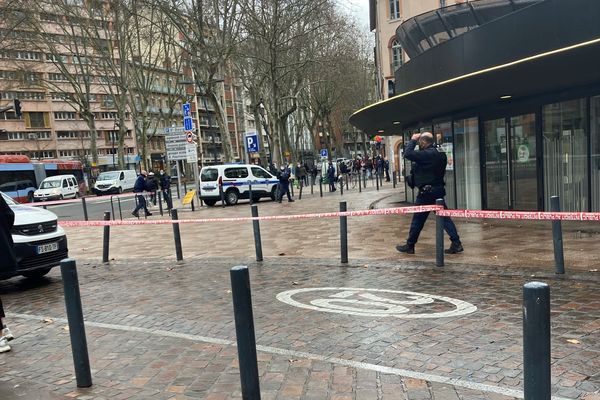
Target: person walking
pixel 427 174
pixel 165 187
pixel 8 263
pixel 386 165
pixel 139 187
pixel 331 176
pixel 284 184
pixel 152 187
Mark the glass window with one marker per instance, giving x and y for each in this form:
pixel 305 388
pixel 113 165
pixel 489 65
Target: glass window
pixel 238 172
pixel 260 173
pixel 394 9
pixel 209 175
pixel 565 154
pixel 466 164
pixel 595 124
pixel 443 136
pixel 397 59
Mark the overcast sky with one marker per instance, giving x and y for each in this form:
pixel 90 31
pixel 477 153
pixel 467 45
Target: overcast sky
pixel 359 9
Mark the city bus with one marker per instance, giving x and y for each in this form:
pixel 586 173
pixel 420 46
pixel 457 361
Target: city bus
pixel 20 177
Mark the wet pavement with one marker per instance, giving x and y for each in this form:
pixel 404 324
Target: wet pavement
pixel 385 326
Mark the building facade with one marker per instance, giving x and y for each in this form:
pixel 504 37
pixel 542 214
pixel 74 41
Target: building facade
pixel 511 91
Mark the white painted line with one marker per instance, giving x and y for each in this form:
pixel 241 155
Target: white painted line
pixel 506 391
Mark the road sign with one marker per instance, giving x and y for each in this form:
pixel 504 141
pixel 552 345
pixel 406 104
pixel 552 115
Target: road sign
pixel 189 196
pixel 252 142
pixel 175 140
pixel 188 125
pixel 191 153
pixel 174 130
pixel 189 137
pixel 186 110
pixel 324 153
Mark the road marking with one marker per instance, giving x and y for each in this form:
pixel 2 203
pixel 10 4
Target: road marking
pixel 506 391
pixel 351 301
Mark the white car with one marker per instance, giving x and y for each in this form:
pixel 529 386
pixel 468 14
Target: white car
pixel 40 243
pixel 57 188
pixel 235 180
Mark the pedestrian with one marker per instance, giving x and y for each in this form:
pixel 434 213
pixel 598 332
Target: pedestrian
pixel 300 174
pixel 165 187
pixel 152 187
pixel 284 184
pixel 9 263
pixel 427 174
pixel 331 176
pixel 386 165
pixel 139 187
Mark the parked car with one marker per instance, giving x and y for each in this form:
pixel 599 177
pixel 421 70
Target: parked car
pixel 235 180
pixel 57 188
pixel 115 181
pixel 40 243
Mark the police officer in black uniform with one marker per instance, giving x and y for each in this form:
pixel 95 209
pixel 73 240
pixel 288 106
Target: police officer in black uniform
pixel 427 174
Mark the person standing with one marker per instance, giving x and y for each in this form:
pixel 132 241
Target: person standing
pixel 9 263
pixel 429 168
pixel 386 165
pixel 165 187
pixel 139 187
pixel 152 187
pixel 284 184
pixel 331 176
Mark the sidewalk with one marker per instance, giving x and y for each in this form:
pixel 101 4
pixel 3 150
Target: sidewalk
pixel 158 329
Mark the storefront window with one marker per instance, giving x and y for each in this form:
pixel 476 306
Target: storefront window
pixel 565 154
pixel 442 134
pixel 595 124
pixel 466 164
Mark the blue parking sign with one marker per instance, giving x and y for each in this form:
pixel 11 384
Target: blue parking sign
pixel 186 110
pixel 187 124
pixel 252 142
pixel 324 153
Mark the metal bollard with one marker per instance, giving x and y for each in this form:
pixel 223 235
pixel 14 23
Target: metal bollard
pixel 250 192
pixel 365 180
pixel 381 179
pixel 557 238
pixel 177 235
pixel 292 188
pixel 120 210
pixel 106 240
pixel 341 186
pixel 192 204
pixel 347 187
pixel 160 208
pixel 343 233
pixel 439 236
pixel 377 180
pixel 85 211
pixel 536 341
pixel 359 182
pixel 81 360
pixel 312 181
pixel 244 332
pixel 300 193
pixel 222 194
pixel 394 178
pixel 321 187
pixel 112 208
pixel 256 228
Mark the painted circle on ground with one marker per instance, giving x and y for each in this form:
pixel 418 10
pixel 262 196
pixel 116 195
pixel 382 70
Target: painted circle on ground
pixel 376 302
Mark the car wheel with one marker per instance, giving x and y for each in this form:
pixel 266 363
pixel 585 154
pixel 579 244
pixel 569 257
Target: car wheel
pixel 77 195
pixel 231 197
pixel 120 190
pixel 210 203
pixel 62 197
pixel 274 193
pixel 37 273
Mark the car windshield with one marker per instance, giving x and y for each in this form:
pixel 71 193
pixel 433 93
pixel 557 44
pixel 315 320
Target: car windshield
pixel 8 200
pixel 50 184
pixel 108 176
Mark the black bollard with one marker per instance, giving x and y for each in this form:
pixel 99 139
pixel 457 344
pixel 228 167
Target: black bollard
pixel 300 193
pixel 347 187
pixel 394 179
pixel 381 179
pixel 244 332
pixel 112 208
pixel 222 194
pixel 192 204
pixel 250 193
pixel 377 180
pixel 292 188
pixel 343 233
pixel 312 181
pixel 84 205
pixel 106 241
pixel 341 181
pixel 160 208
pixel 439 236
pixel 81 360
pixel 120 209
pixel 177 235
pixel 365 180
pixel 321 187
pixel 557 238
pixel 536 341
pixel 256 228
pixel 359 183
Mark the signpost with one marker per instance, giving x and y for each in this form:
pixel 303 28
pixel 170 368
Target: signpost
pixel 175 140
pixel 324 153
pixel 251 144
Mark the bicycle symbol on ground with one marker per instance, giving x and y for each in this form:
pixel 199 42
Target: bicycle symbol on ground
pixel 376 302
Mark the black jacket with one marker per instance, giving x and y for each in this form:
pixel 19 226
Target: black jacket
pixel 8 260
pixel 429 165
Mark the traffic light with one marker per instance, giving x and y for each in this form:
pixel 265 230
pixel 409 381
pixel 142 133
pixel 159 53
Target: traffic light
pixel 17 107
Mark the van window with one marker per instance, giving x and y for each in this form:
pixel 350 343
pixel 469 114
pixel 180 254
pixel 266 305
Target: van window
pixel 65 184
pixel 209 175
pixel 237 172
pixel 260 173
pixel 72 182
pixel 122 176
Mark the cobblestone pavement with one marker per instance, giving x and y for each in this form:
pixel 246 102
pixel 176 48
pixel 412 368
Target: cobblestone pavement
pixel 158 329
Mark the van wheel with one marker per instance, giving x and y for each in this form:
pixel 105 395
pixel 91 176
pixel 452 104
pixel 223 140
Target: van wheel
pixel 62 197
pixel 274 193
pixel 77 195
pixel 231 197
pixel 36 274
pixel 120 190
pixel 210 203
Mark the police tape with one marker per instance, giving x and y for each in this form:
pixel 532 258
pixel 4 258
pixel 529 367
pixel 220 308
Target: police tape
pixel 359 213
pixel 522 215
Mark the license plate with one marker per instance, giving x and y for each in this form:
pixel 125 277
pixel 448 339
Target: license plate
pixel 208 188
pixel 47 248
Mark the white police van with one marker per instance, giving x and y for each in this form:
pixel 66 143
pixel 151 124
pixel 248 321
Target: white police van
pixel 234 180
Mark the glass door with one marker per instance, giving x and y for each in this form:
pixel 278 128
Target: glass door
pixel 510 162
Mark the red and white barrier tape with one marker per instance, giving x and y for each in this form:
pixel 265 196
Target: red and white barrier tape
pixel 522 215
pixel 360 213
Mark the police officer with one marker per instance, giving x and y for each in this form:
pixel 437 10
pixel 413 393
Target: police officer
pixel 429 167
